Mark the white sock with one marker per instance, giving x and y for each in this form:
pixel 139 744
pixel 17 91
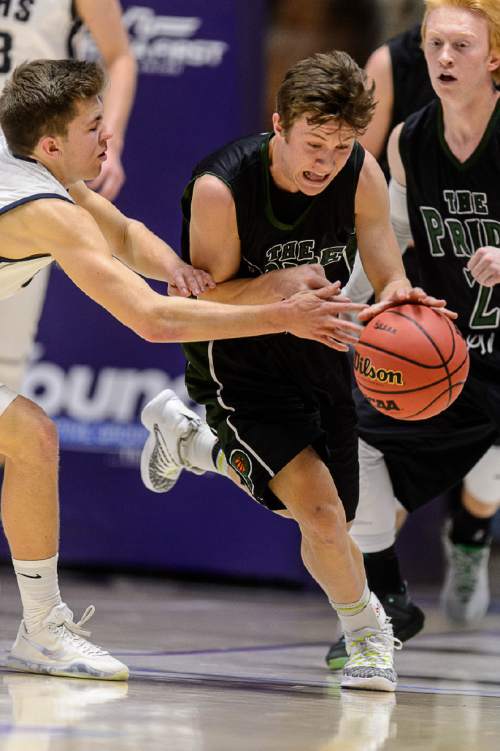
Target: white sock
pixel 202 452
pixel 39 589
pixel 367 612
pixel 198 450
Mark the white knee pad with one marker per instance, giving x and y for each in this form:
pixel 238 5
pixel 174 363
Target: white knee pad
pixel 483 481
pixel 374 527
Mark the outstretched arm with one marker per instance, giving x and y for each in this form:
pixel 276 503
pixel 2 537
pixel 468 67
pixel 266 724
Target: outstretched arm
pixel 215 246
pixel 82 251
pixel 139 248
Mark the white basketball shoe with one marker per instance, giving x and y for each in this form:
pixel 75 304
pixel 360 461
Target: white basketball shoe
pixel 370 661
pixel 58 647
pixel 171 425
pixel 465 596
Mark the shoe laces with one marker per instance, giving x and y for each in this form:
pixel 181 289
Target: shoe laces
pixel 73 632
pixel 467 563
pixel 371 646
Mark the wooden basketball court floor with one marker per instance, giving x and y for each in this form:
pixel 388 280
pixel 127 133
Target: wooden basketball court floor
pixel 218 668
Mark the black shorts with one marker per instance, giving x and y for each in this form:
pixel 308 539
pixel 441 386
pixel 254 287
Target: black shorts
pixel 266 410
pixel 428 457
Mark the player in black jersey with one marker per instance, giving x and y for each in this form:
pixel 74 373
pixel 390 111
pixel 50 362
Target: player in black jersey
pixel 269 215
pixel 448 155
pixel 403 86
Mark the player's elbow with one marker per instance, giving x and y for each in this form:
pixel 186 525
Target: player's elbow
pixel 158 328
pixel 157 332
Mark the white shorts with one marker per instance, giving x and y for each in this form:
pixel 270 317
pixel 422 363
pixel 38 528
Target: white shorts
pixel 19 317
pixel 6 397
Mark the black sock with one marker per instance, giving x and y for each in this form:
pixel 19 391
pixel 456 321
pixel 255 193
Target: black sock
pixel 467 529
pixel 382 572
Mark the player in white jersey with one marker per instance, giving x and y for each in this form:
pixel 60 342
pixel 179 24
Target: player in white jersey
pixel 53 138
pixel 47 29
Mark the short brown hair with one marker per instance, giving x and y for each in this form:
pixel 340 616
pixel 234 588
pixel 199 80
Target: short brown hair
pixel 489 9
pixel 328 85
pixel 40 98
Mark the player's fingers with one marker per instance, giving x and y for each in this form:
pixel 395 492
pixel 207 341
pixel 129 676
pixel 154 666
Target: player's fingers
pixel 204 279
pixel 445 312
pixel 182 285
pixel 373 310
pixel 329 341
pixel 349 326
pixel 484 278
pixel 481 267
pixel 174 291
pixel 339 308
pixel 329 290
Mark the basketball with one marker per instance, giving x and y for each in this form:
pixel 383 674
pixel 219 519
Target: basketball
pixel 411 362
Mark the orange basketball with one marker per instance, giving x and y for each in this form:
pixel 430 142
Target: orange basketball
pixel 410 362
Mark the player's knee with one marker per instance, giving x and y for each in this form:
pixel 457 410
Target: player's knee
pixel 34 435
pixel 324 523
pixel 482 484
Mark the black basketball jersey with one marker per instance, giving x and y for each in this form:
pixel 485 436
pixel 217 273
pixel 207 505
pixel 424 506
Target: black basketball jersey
pixel 411 84
pixel 323 233
pixel 454 209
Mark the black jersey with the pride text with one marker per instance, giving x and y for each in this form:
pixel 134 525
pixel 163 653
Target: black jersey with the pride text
pixel 323 232
pixel 454 209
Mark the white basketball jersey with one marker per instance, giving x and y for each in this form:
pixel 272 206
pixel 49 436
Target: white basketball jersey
pixel 33 29
pixel 22 180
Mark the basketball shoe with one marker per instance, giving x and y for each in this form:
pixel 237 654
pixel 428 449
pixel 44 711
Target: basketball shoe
pixel 407 620
pixel 58 647
pixel 370 661
pixel 465 596
pixel 170 424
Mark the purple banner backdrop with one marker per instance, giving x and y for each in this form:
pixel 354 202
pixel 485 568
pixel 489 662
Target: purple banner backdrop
pixel 199 87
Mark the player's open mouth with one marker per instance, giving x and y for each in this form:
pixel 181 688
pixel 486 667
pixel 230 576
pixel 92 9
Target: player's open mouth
pixel 313 177
pixel 103 156
pixel 446 78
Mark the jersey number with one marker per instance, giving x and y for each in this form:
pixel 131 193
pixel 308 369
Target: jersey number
pixel 5 48
pixel 482 316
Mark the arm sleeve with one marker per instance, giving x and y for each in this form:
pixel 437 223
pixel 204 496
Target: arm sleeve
pixel 399 214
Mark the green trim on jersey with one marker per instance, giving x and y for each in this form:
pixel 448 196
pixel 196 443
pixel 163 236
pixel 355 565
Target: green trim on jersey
pixel 266 176
pixel 476 154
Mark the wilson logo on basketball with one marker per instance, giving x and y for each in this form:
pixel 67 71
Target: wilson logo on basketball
pixel 364 367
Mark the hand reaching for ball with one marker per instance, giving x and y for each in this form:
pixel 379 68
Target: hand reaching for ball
pixel 414 295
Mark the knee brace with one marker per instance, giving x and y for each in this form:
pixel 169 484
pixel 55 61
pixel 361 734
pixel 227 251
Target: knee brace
pixel 483 481
pixel 374 527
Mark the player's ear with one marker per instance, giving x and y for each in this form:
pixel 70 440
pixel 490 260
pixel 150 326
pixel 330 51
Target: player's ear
pixel 494 63
pixel 47 146
pixel 277 125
